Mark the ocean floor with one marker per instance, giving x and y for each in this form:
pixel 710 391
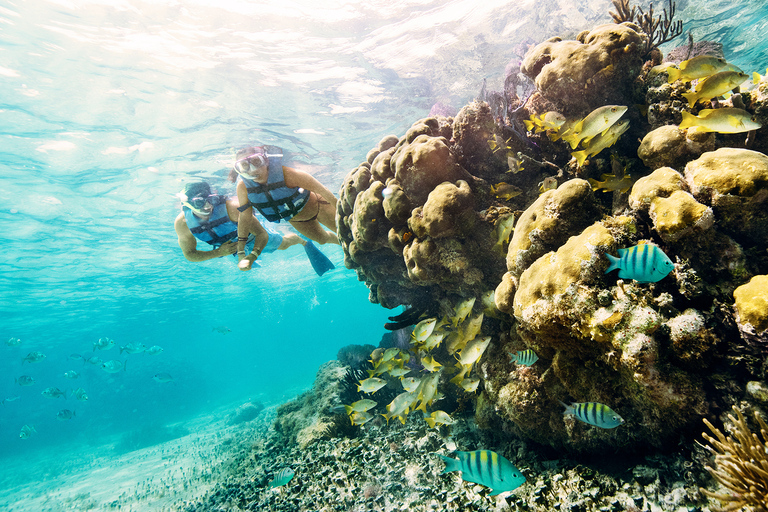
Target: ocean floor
pixel 222 467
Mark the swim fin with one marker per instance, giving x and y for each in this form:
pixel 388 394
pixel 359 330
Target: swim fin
pixel 319 261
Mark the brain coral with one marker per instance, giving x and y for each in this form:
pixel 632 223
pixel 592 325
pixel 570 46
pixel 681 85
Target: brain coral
pixel 598 68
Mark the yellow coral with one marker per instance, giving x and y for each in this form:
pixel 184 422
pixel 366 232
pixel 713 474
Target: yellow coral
pixel 752 303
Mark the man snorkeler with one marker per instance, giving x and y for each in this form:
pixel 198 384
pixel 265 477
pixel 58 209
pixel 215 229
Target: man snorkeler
pixel 282 193
pixel 214 218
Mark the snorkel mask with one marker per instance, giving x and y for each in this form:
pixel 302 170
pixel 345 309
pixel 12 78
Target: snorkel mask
pixel 248 166
pixel 202 201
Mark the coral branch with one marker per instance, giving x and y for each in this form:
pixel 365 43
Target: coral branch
pixel 659 31
pixel 741 465
pixel 623 12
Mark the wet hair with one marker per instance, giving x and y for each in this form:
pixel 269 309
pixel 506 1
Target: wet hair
pixel 243 153
pixel 197 188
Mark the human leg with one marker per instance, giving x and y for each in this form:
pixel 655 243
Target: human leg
pixel 290 240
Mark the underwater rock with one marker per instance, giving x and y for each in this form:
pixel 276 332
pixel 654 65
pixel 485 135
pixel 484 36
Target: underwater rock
pixel 354 356
pixel 674 212
pixel 473 127
pixel 734 182
pixel 668 146
pixel 751 304
pixel 245 412
pixel 596 69
pixel 549 221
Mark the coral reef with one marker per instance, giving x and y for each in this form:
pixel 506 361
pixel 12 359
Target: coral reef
pixel 741 465
pixel 751 304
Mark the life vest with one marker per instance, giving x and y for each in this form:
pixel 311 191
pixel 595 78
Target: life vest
pixel 217 229
pixel 273 199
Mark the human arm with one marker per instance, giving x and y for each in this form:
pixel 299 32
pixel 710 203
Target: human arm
pixel 295 178
pixel 188 244
pixel 247 224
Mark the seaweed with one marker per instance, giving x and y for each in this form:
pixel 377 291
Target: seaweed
pixel 660 29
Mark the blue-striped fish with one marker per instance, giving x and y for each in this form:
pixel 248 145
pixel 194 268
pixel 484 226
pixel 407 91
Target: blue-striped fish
pixel 593 413
pixel 282 477
pixel 644 263
pixel 486 468
pixel 524 357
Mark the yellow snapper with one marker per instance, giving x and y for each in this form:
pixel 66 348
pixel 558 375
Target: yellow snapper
pixel 548 183
pixel 459 377
pixel 505 191
pixel 603 140
pixel 474 350
pixel 371 385
pixel 360 417
pixel 427 391
pixel 698 67
pixel 462 310
pixel 399 372
pixel 596 122
pixel 434 340
pixel 423 329
pixel 612 183
pixel 400 406
pixel 469 385
pixel 360 406
pixel 721 120
pixel 410 383
pixel 389 354
pixel 715 85
pixel 429 363
pixel 503 231
pixel 438 418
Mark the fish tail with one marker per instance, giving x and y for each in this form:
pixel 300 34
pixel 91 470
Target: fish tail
pixel 349 411
pixel 580 156
pixel 614 264
pixel 692 98
pixel 430 421
pixel 689 120
pixel 673 74
pixel 450 464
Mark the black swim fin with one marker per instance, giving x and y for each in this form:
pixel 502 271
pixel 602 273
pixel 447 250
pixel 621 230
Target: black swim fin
pixel 319 261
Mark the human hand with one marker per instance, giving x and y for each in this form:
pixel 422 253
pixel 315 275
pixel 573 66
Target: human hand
pixel 227 248
pixel 247 262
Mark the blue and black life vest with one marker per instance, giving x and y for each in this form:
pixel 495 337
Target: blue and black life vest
pixel 274 199
pixel 217 229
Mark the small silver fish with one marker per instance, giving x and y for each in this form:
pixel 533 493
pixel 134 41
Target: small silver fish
pixel 133 348
pixel 13 342
pixel 153 350
pixel 103 344
pixel 96 361
pixel 53 392
pixel 26 432
pixel 72 374
pixel 79 393
pixel 77 357
pixel 162 377
pixel 25 380
pixel 10 399
pixel 65 414
pixel 113 366
pixel 524 357
pixel 33 357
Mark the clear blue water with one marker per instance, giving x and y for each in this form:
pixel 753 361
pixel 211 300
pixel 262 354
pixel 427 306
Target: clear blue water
pixel 108 107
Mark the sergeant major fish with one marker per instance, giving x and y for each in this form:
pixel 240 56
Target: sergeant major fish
pixel 593 413
pixel 644 263
pixel 525 357
pixel 486 468
pixel 26 432
pixel 282 477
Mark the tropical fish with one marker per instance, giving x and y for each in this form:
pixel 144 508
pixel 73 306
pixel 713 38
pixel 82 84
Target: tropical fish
pixel 94 360
pixel 13 342
pixel 65 414
pixel 514 163
pixel 399 372
pixel 133 348
pixel 153 350
pixel 469 385
pixel 593 413
pixel 53 392
pixel 757 78
pixel 410 383
pixel 715 85
pixel 72 374
pixel 546 121
pixel 371 385
pixel 282 477
pixel 103 344
pixel 700 66
pixel 76 357
pixel 594 123
pixel 472 328
pixel 462 310
pixel 33 357
pixel 429 363
pixel 603 140
pixel 474 350
pixel 400 406
pixel 438 418
pixel 548 183
pixel 497 143
pixel 223 329
pixel 721 120
pixel 524 357
pixel 486 468
pixel 25 380
pixel 79 393
pixel 505 191
pixel 427 391
pixel 423 329
pixel 26 432
pixel 162 377
pixel 644 263
pixel 360 417
pixel 10 399
pixel 389 354
pixel 360 405
pixel 503 231
pixel 612 183
pixel 433 340
pixel 113 366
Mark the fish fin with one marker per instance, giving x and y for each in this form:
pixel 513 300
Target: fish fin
pixel 348 408
pixel 689 120
pixel 580 156
pixel 614 264
pixel 529 124
pixel 692 98
pixel 755 77
pixel 450 464
pixel 672 74
pixel 430 421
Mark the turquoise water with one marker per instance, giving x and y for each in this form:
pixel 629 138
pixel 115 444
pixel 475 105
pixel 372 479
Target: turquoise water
pixel 109 107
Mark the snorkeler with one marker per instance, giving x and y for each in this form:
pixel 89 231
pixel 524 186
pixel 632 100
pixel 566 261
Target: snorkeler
pixel 280 192
pixel 214 219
